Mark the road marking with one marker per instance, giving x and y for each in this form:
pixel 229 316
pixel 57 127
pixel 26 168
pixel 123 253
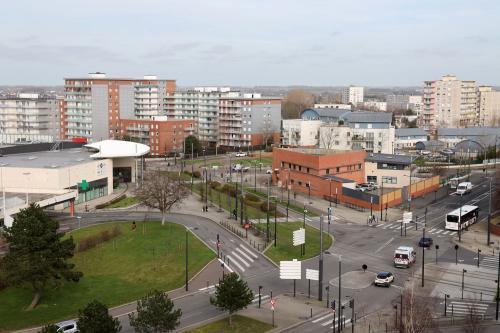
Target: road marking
pixel 396 286
pixel 384 245
pixel 209 287
pixel 446 232
pixel 395 226
pixel 379 225
pixel 236 264
pixel 432 230
pixel 438 232
pixel 250 252
pixel 244 254
pixel 235 255
pixel 321 318
pixel 227 266
pixel 263 297
pixel 386 226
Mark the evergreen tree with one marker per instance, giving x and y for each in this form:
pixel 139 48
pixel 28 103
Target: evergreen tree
pixel 155 314
pixel 37 254
pixel 96 319
pixel 232 294
pixel 192 141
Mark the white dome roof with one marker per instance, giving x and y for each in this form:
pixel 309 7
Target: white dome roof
pixel 118 148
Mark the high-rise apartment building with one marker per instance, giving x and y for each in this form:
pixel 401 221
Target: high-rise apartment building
pixel 93 106
pixel 29 117
pixel 488 107
pixel 448 102
pixel 353 95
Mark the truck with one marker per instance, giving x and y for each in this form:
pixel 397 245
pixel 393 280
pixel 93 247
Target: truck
pixel 404 256
pixel 464 188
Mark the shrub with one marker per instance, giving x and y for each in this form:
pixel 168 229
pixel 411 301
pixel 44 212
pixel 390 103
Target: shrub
pixel 92 241
pixel 214 184
pixel 196 174
pixel 252 197
pixel 115 200
pixel 229 189
pixel 263 206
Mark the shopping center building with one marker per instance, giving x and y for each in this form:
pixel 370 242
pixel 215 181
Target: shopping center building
pixel 62 175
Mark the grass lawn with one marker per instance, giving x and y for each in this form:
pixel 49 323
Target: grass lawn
pixel 285 249
pixel 292 206
pixel 125 202
pixel 241 324
pixel 139 263
pixel 182 175
pixel 266 161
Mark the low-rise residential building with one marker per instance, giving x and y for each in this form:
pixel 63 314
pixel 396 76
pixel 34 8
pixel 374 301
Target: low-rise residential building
pixel 333 106
pixel 300 133
pixel 488 104
pixel 29 117
pixel 353 95
pixel 388 170
pixel 484 136
pixel 161 135
pixel 407 138
pixel 375 105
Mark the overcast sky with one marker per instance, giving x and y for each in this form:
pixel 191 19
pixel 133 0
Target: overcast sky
pixel 251 42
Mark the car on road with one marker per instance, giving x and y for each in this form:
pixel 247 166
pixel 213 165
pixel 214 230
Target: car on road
pixel 404 256
pixel 269 171
pixel 68 326
pixel 384 279
pixel 241 154
pixel 425 242
pixel 464 188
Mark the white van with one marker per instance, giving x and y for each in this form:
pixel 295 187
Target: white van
pixel 464 188
pixel 404 256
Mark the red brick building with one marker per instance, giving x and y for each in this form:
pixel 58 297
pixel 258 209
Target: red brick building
pixel 323 171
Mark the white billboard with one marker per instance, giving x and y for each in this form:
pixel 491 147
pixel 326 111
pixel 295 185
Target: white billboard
pixel 312 274
pixel 299 237
pixel 407 217
pixel 290 270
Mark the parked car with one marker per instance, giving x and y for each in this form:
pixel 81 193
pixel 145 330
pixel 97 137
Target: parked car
pixel 241 154
pixel 68 326
pixel 269 171
pixel 237 167
pixel 384 279
pixel 425 242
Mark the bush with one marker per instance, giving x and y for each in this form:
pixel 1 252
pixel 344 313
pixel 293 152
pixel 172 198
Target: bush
pixel 214 184
pixel 121 197
pixel 229 189
pixel 196 174
pixel 252 197
pixel 263 206
pixel 94 240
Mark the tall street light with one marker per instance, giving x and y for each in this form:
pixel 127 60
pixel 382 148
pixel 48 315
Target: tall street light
pixel 463 277
pixel 340 287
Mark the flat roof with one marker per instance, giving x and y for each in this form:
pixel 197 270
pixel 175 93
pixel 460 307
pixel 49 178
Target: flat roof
pixel 316 151
pixel 389 158
pixel 52 159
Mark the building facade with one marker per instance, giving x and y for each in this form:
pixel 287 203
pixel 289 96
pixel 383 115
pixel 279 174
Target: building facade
pixel 375 105
pixel 448 102
pixel 407 138
pixel 353 95
pixel 484 136
pixel 488 105
pixel 405 102
pixel 388 170
pixel 333 106
pixel 93 106
pixel 28 118
pixel 300 133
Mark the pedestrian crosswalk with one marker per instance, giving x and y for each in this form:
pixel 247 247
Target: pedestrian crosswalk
pixel 463 308
pixel 262 298
pixel 396 227
pixel 240 258
pixel 327 320
pixel 489 262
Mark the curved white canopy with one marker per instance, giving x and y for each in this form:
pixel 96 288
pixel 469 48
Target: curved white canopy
pixel 118 148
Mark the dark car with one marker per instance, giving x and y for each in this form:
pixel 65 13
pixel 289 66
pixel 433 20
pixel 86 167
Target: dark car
pixel 425 242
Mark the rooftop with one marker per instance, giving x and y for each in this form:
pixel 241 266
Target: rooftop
pixel 47 159
pixel 410 132
pixel 389 158
pixel 347 115
pixel 469 131
pixel 315 151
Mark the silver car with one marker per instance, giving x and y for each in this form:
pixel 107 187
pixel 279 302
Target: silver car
pixel 68 326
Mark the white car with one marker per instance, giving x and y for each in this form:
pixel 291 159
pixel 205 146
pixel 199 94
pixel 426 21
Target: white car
pixel 68 326
pixel 269 171
pixel 384 279
pixel 241 154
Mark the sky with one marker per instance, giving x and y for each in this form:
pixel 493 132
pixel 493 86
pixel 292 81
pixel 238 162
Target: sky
pixel 251 42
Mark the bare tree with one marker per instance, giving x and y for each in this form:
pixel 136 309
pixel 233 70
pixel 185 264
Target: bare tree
pixel 268 132
pixel 295 102
pixel 417 313
pixel 326 137
pixel 162 191
pixel 473 320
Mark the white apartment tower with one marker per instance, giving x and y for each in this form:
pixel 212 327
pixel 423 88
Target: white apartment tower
pixel 449 102
pixel 488 107
pixel 353 95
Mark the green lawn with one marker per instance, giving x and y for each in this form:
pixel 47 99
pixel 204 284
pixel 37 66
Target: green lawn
pixel 125 202
pixel 116 272
pixel 182 175
pixel 266 161
pixel 285 249
pixel 292 206
pixel 241 324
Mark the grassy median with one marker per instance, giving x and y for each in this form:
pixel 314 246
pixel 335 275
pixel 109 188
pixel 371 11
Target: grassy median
pixel 241 324
pixel 117 271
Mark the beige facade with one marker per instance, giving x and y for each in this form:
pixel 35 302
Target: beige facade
pixel 488 106
pixel 391 178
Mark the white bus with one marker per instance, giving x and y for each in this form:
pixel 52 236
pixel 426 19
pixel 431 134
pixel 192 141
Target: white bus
pixel 466 215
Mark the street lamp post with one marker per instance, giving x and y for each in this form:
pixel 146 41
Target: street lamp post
pixel 267 210
pixel 456 254
pixel 437 248
pixel 260 297
pixel 463 278
pixel 187 260
pixel 320 264
pixel 498 282
pixel 330 199
pixel 304 226
pixel 446 296
pixel 340 288
pixel 382 200
pixel 478 258
pixel 423 255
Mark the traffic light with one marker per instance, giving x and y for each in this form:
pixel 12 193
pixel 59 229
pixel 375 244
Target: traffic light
pixel 333 305
pixel 351 303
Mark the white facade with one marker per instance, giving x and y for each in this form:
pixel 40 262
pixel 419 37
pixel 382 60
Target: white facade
pixel 333 106
pixel 488 105
pixel 353 95
pixel 376 140
pixel 298 132
pixel 377 105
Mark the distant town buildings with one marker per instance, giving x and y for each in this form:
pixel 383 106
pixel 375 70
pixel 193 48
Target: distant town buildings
pixel 449 102
pixel 488 106
pixel 29 118
pixel 333 106
pixel 353 95
pixel 407 138
pixel 375 105
pixel 300 133
pixel 405 102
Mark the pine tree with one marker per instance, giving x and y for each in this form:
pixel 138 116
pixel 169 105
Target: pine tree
pixel 96 319
pixel 37 254
pixel 155 314
pixel 232 294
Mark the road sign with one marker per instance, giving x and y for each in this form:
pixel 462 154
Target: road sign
pixel 312 274
pixel 407 217
pixel 219 245
pixel 273 303
pixel 299 237
pixel 247 226
pixel 290 270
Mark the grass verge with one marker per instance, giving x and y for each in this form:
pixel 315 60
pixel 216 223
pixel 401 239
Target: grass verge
pixel 292 206
pixel 241 324
pixel 116 272
pixel 125 202
pixel 285 250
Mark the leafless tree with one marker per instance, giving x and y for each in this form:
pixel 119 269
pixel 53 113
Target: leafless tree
pixel 326 137
pixel 162 191
pixel 417 313
pixel 268 132
pixel 295 102
pixel 473 320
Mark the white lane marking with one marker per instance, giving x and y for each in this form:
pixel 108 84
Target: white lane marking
pixel 250 252
pixel 244 254
pixel 379 225
pixel 432 230
pixel 263 297
pixel 226 266
pixel 384 245
pixel 209 287
pixel 396 286
pixel 446 232
pixel 386 226
pixel 235 263
pixel 438 232
pixel 336 321
pixel 235 255
pixel 395 226
pixel 321 318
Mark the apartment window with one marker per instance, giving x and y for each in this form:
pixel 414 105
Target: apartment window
pixel 327 171
pixel 370 126
pixel 300 168
pixel 338 169
pixel 300 183
pixel 307 170
pixel 389 180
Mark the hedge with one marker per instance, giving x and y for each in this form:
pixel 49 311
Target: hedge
pixel 103 205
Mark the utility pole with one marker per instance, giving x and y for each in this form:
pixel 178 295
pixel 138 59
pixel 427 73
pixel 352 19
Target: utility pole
pixel 488 238
pixel 423 255
pixel 381 199
pixel 267 210
pixel 409 188
pixel 192 166
pixel 187 259
pixel 242 199
pixel 320 269
pixel 340 289
pixel 288 195
pixel 498 281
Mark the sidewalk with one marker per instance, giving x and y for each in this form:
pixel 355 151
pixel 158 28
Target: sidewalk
pixel 476 238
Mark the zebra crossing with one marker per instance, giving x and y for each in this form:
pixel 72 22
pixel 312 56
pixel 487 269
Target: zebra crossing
pixel 463 308
pixel 240 258
pixel 327 320
pixel 262 298
pixel 489 262
pixel 396 227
